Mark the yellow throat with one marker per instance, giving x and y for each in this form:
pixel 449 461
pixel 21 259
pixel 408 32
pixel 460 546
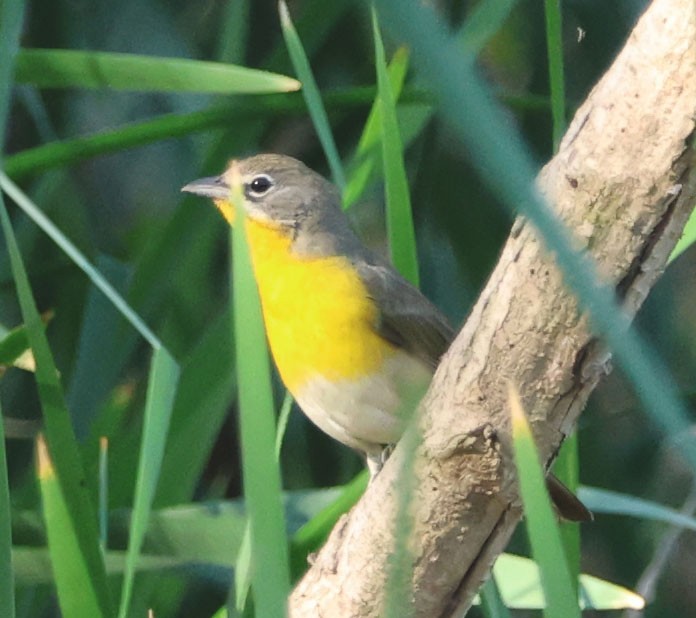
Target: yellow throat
pixel 319 318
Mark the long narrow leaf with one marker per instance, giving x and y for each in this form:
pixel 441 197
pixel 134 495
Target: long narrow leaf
pixel 70 570
pixel 62 445
pixel 312 96
pixel 400 231
pixel 542 528
pixel 11 18
pixel 70 151
pixel 367 153
pixel 64 68
pixel 554 43
pixel 7 600
pixel 262 487
pixel 161 390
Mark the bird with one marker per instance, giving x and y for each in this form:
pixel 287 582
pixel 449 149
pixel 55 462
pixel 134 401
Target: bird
pixel 354 342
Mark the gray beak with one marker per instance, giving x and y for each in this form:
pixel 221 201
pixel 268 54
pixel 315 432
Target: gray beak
pixel 213 186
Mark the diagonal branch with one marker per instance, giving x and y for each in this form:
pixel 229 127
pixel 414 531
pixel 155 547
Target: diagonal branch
pixel 622 183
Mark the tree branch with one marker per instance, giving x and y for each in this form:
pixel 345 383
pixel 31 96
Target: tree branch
pixel 622 183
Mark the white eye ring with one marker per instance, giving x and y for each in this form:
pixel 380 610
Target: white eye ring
pixel 260 185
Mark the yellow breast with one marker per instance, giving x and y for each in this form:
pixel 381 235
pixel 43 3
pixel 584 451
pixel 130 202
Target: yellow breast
pixel 319 318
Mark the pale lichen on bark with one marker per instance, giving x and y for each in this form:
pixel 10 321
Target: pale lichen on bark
pixel 622 182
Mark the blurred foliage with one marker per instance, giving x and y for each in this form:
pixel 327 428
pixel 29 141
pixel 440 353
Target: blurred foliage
pixel 167 254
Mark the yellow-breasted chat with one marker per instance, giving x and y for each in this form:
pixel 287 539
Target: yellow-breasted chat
pixel 353 341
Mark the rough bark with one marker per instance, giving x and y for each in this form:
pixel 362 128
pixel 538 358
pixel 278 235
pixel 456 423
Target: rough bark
pixel 621 183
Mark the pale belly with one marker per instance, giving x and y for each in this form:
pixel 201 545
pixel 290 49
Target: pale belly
pixel 368 412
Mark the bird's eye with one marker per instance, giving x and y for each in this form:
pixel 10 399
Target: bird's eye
pixel 260 184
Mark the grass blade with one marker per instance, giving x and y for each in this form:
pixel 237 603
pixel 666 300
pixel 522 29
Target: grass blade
pixel 311 94
pixel 687 239
pixel 400 231
pixel 67 68
pixel 365 158
pixel 161 390
pixel 520 587
pixel 71 151
pixel 70 570
pixel 542 527
pixel 615 503
pixel 261 473
pixel 554 43
pixel 7 600
pixel 62 447
pixel 11 19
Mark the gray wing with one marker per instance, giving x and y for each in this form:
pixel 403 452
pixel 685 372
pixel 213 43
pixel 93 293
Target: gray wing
pixel 408 319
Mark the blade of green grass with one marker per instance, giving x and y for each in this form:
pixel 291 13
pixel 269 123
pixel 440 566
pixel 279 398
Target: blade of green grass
pixel 475 116
pixel 70 570
pixel 103 493
pixel 13 345
pixel 520 587
pixel 311 94
pixel 542 527
pixel 261 473
pixel 62 447
pixel 567 464
pixel 70 151
pixel 400 231
pixel 554 44
pixel 688 238
pixel 161 390
pixel 566 467
pixel 7 600
pixel 67 68
pixel 615 503
pixel 11 19
pixel 366 154
pixel 283 418
pixel 242 572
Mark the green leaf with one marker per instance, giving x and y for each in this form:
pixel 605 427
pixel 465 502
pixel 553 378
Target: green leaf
pixel 554 43
pixel 14 344
pixel 161 390
pixel 73 577
pixel 7 600
pixel 687 239
pixel 400 231
pixel 261 473
pixel 520 585
pixel 63 68
pixel 85 585
pixel 542 527
pixel 365 159
pixel 311 94
pixel 614 503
